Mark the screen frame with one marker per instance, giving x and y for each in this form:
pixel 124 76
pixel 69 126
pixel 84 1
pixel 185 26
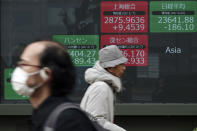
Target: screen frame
pixel 129 109
pixel 136 109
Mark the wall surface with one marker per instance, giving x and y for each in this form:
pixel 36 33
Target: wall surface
pixel 131 123
pixel 157 123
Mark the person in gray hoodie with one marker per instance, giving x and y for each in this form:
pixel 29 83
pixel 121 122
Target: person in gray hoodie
pixel 104 79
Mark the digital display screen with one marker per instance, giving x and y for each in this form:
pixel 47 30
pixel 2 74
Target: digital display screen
pixel 157 36
pixel 134 47
pixel 173 16
pixel 124 17
pixel 83 49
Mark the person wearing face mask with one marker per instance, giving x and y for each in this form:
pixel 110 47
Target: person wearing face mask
pixel 104 79
pixel 45 73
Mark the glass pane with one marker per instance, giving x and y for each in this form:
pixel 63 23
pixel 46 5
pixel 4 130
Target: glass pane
pixel 158 37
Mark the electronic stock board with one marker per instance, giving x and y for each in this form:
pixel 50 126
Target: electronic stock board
pixel 158 38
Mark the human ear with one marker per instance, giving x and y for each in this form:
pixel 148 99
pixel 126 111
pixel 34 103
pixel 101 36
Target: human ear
pixel 109 69
pixel 43 75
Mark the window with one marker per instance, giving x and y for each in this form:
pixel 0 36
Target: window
pixel 158 37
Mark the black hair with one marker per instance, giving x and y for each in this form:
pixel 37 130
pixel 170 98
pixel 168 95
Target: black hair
pixel 63 72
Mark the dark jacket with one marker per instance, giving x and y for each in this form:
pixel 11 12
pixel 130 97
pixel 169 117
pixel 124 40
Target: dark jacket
pixel 69 120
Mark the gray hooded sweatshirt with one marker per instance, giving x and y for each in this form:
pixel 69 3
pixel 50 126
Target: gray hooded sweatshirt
pixel 99 97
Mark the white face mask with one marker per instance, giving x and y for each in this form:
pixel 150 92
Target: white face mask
pixel 18 80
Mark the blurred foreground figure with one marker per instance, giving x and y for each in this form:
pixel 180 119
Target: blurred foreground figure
pixel 45 73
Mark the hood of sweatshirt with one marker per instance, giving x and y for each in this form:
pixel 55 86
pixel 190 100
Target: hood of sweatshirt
pixel 97 73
